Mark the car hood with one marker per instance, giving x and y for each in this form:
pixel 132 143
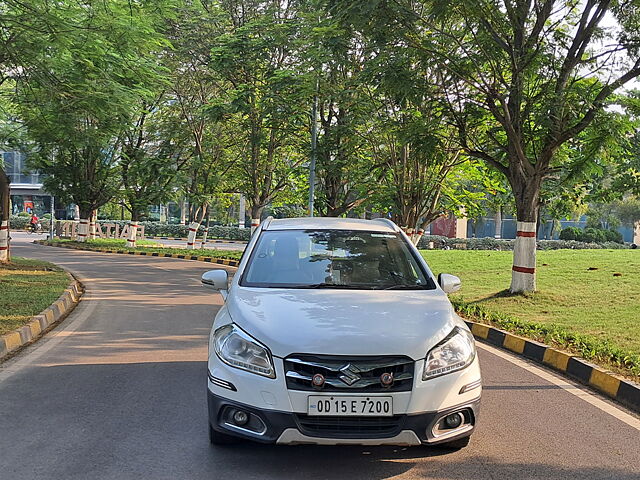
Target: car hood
pixel 343 322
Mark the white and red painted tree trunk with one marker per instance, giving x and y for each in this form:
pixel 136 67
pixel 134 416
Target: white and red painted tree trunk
pixel 5 254
pixel 255 222
pixel 523 275
pixel 204 237
pixel 4 241
pixel 83 230
pixel 133 232
pixel 193 231
pixel 92 226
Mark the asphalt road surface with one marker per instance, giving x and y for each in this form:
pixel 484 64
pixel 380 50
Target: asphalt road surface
pixel 118 392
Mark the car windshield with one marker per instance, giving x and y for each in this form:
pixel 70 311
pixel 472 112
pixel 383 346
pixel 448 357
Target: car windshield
pixel 334 259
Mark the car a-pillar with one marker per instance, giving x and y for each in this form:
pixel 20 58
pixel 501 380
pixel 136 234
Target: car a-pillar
pixel 523 275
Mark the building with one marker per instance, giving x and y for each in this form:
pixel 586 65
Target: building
pixel 27 192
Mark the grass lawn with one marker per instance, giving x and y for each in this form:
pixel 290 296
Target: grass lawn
pixel 26 288
pixel 577 291
pixel 151 247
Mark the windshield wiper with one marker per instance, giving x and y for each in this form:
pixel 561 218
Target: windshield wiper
pixel 330 285
pixel 406 287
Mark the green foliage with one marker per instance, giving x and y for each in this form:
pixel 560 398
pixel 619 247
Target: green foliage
pixel 591 235
pixel 21 222
pixel 157 229
pixel 613 241
pixel 570 233
pixel 588 347
pixel 27 287
pixel 628 211
pixel 76 94
pixel 97 245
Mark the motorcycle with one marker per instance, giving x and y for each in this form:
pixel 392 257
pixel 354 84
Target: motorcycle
pixel 34 228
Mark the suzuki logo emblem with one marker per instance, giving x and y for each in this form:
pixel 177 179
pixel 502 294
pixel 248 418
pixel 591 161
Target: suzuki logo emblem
pixel 349 374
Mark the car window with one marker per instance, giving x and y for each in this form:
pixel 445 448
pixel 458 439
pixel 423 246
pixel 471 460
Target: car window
pixel 333 259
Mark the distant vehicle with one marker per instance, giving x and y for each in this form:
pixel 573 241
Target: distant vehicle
pixel 335 331
pixel 34 228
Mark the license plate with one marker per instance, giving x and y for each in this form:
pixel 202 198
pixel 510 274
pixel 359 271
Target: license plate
pixel 350 406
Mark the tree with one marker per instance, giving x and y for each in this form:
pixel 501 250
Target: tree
pixel 83 95
pixel 335 57
pixel 25 31
pixel 267 96
pixel 197 108
pixel 417 158
pixel 152 156
pixel 527 77
pixel 539 73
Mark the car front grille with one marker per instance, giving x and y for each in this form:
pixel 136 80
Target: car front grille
pixel 349 374
pixel 349 427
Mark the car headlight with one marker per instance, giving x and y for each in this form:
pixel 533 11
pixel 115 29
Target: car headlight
pixel 455 352
pixel 236 348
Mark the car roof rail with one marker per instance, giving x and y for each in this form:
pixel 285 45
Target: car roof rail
pixel 388 222
pixel 266 222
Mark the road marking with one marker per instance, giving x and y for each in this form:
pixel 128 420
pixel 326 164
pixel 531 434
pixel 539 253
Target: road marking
pixel 574 389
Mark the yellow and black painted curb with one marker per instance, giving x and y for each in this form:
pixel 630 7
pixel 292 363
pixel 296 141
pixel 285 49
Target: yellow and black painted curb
pixel 216 240
pixel 217 261
pixel 622 390
pixel 11 342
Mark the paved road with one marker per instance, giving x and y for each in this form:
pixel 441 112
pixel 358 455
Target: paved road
pixel 118 392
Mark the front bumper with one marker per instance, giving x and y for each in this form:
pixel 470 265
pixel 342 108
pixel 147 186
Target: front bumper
pixel 294 428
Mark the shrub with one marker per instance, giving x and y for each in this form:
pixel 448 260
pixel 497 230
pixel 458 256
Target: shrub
pixel 157 229
pixel 507 244
pixel 20 222
pixel 593 235
pixel 570 233
pixel 613 236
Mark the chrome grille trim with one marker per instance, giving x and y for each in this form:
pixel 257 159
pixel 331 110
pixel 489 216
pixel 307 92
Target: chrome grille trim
pixel 300 369
pixel 337 383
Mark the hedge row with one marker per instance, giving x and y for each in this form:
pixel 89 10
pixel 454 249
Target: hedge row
pixel 489 243
pixel 157 229
pixel 590 235
pixel 21 222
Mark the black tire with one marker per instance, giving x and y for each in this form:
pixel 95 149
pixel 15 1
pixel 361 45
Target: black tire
pixel 217 438
pixel 458 444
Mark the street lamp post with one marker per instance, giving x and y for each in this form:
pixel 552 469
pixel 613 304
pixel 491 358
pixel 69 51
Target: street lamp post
pixel 314 151
pixel 52 211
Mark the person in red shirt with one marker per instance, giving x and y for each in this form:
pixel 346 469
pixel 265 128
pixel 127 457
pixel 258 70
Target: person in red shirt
pixel 34 221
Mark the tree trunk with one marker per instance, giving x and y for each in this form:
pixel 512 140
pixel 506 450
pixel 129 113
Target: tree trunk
pixel 5 256
pixel 498 220
pixel 198 215
pixel 193 232
pixel 256 214
pixel 83 225
pixel 133 229
pixel 92 225
pixel 206 231
pixel 523 275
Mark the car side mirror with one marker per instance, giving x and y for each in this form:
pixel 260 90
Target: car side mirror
pixel 216 280
pixel 449 283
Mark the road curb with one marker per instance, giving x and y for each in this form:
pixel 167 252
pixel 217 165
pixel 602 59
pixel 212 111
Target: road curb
pixel 217 240
pixel 11 342
pixel 608 383
pixel 215 260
